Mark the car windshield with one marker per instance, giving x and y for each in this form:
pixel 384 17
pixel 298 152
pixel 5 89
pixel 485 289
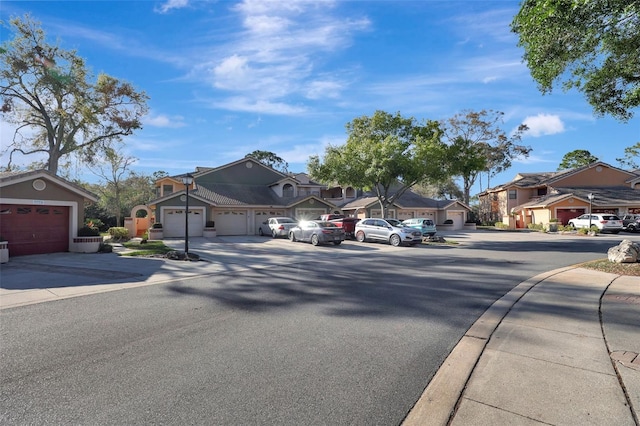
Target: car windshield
pixel 610 217
pixel 394 222
pixel 286 220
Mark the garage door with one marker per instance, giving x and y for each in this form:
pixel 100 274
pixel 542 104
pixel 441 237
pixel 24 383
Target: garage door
pixel 565 215
pixel 174 221
pixel 34 229
pixel 262 215
pixel 231 222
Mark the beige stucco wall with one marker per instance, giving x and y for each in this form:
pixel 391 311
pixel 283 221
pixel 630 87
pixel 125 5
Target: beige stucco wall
pixel 599 176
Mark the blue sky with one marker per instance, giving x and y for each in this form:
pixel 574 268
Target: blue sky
pixel 226 78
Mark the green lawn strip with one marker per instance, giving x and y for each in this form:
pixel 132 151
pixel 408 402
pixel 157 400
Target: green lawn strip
pixel 145 249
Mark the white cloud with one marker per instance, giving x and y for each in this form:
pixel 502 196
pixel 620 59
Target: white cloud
pixel 323 89
pixel 171 4
pixel 261 106
pixel 277 54
pixel 162 120
pixel 543 124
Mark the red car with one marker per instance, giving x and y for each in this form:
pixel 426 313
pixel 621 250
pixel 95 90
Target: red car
pixel 348 224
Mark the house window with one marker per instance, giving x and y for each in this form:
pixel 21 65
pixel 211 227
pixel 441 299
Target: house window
pixel 513 194
pixel 167 189
pixel 542 191
pixel 287 190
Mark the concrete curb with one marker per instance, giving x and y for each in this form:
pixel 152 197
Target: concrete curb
pixel 438 402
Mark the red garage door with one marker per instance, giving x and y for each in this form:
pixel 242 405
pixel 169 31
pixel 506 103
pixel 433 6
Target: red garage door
pixel 34 229
pixel 565 215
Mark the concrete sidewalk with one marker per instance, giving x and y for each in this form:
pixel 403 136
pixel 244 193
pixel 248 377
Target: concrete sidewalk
pixel 560 348
pixel 542 355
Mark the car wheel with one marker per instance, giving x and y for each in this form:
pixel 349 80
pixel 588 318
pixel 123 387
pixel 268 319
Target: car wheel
pixel 337 243
pixel 292 237
pixel 260 232
pixel 360 237
pixel 314 240
pixel 572 225
pixel 631 228
pixel 394 240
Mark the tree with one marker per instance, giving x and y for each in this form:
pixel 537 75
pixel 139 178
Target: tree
pixel 593 44
pixel 631 156
pixel 446 189
pixel 270 159
pixel 477 144
pixel 384 153
pixel 112 168
pixel 47 94
pixel 577 158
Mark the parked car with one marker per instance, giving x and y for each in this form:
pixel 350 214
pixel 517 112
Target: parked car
pixel 277 226
pixel 426 226
pixel 631 222
pixel 348 224
pixel 331 216
pixel 603 222
pixel 317 232
pixel 388 230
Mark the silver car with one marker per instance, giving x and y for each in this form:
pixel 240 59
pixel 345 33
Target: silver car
pixel 387 230
pixel 317 232
pixel 277 226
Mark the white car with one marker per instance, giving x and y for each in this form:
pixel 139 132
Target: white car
pixel 603 222
pixel 277 226
pixel 387 230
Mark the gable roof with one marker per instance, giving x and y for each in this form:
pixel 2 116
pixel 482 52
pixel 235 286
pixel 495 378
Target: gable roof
pixel 610 196
pixel 12 178
pixel 408 200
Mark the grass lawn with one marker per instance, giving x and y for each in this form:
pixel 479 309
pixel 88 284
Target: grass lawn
pixel 149 248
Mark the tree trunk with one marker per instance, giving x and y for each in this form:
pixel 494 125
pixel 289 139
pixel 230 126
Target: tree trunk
pixel 52 163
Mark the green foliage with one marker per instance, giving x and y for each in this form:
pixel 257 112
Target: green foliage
pixel 477 144
pixel 47 92
pixel 593 45
pixel 88 231
pixel 631 157
pixel 119 233
pixel 149 248
pixel 270 159
pixel 501 225
pixel 536 227
pixel 95 223
pixel 384 153
pixel 577 158
pixel 105 248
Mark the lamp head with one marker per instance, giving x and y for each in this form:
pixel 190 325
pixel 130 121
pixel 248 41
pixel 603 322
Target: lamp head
pixel 187 179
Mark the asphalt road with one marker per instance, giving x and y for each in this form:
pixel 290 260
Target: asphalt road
pixel 302 335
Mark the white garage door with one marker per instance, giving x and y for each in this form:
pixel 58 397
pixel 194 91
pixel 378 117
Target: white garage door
pixel 403 215
pixel 458 219
pixel 231 222
pixel 174 221
pixel 262 215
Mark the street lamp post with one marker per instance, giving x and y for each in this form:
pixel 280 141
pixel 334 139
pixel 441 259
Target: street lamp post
pixel 187 180
pixel 590 207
